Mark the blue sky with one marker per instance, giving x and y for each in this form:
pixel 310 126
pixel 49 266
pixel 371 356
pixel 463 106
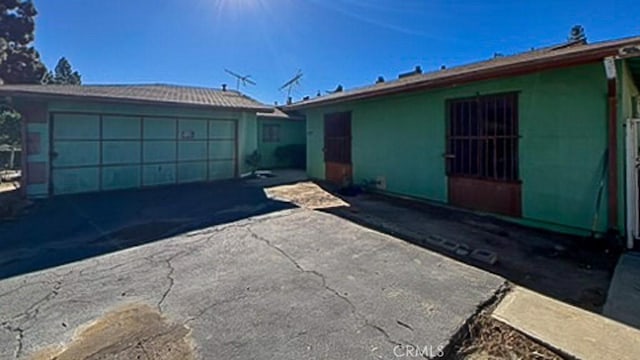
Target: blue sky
pixel 348 42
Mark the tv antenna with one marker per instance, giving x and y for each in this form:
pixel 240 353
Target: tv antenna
pixel 289 85
pixel 244 80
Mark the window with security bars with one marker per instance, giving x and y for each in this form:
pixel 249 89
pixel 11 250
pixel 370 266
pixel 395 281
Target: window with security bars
pixel 482 137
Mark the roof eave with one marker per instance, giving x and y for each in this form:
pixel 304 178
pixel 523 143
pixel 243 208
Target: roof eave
pixel 515 69
pixel 90 98
pixel 276 117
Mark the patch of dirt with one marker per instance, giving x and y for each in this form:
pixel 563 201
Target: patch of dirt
pixel 130 332
pixel 490 339
pixel 306 195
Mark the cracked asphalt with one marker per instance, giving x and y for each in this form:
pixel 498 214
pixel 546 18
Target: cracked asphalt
pixel 289 285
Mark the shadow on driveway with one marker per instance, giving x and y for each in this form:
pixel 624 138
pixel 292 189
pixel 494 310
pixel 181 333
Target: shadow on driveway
pixel 568 268
pixel 64 229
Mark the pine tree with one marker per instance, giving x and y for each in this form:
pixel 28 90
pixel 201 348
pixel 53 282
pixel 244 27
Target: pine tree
pixel 64 74
pixel 19 61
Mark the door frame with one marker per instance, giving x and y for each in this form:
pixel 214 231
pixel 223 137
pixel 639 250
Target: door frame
pixel 632 158
pixel 338 172
pixel 477 189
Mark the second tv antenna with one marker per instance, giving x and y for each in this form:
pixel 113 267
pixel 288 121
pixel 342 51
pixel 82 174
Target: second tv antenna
pixel 289 85
pixel 244 80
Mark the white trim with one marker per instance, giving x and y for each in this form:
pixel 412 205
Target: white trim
pixel 632 162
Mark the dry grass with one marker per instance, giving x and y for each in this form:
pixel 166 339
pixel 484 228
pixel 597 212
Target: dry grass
pixel 489 339
pixel 306 195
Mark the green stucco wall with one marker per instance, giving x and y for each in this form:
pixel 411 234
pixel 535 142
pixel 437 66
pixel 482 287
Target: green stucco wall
pixel 562 123
pixel 292 132
pixel 118 125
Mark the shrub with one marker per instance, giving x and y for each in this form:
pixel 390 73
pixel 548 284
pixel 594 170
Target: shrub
pixel 295 155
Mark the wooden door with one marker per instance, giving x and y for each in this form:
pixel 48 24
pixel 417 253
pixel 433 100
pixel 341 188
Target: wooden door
pixel 337 148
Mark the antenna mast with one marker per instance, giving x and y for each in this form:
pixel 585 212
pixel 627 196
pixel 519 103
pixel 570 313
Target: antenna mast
pixel 244 80
pixel 293 82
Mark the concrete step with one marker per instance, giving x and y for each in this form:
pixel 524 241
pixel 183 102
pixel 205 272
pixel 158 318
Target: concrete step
pixel 568 329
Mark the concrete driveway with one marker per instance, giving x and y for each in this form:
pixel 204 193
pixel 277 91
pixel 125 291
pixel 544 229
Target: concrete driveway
pixel 293 284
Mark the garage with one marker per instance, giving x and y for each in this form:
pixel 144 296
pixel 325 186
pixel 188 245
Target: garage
pixel 94 152
pixel 93 138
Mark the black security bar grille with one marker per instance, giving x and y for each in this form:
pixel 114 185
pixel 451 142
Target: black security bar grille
pixel 337 138
pixel 482 137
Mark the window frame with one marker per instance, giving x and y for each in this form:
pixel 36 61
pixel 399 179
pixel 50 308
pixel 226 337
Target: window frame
pixel 271 133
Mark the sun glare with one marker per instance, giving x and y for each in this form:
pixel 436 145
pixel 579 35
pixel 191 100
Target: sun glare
pixel 234 9
pixel 235 6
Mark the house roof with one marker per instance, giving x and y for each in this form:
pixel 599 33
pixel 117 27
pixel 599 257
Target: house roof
pixel 563 55
pixel 279 114
pixel 147 93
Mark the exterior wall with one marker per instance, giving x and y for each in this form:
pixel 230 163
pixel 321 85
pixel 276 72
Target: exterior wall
pixel 35 156
pixel 292 132
pixel 628 97
pixel 38 133
pixel 562 123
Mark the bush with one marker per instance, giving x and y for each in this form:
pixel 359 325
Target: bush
pixel 294 155
pixel 254 160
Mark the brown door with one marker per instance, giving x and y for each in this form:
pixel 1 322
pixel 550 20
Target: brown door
pixel 482 154
pixel 337 148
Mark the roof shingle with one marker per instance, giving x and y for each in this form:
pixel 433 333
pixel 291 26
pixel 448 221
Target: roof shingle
pixel 151 93
pixel 549 57
pixel 279 114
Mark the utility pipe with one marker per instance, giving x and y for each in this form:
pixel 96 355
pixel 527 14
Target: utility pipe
pixel 612 94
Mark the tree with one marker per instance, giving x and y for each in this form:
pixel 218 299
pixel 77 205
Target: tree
pixel 9 126
pixel 64 74
pixel 19 61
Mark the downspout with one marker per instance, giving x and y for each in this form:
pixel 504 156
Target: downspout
pixel 612 188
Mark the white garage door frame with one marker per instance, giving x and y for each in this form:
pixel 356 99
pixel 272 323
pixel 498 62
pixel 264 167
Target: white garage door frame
pixel 183 137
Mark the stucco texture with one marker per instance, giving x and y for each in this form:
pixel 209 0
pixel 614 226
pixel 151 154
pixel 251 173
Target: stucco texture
pixel 562 124
pixel 291 132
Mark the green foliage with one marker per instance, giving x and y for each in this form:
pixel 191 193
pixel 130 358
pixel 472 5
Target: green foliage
pixel 64 74
pixel 254 160
pixel 9 126
pixel 19 62
pixel 294 155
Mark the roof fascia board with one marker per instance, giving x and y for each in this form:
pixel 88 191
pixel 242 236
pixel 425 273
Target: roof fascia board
pixel 507 70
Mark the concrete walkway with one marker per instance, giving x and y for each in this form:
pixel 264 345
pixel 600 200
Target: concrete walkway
pixel 294 284
pixel 568 329
pixel 623 301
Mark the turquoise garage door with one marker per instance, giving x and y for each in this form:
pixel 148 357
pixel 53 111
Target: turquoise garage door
pixel 96 152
